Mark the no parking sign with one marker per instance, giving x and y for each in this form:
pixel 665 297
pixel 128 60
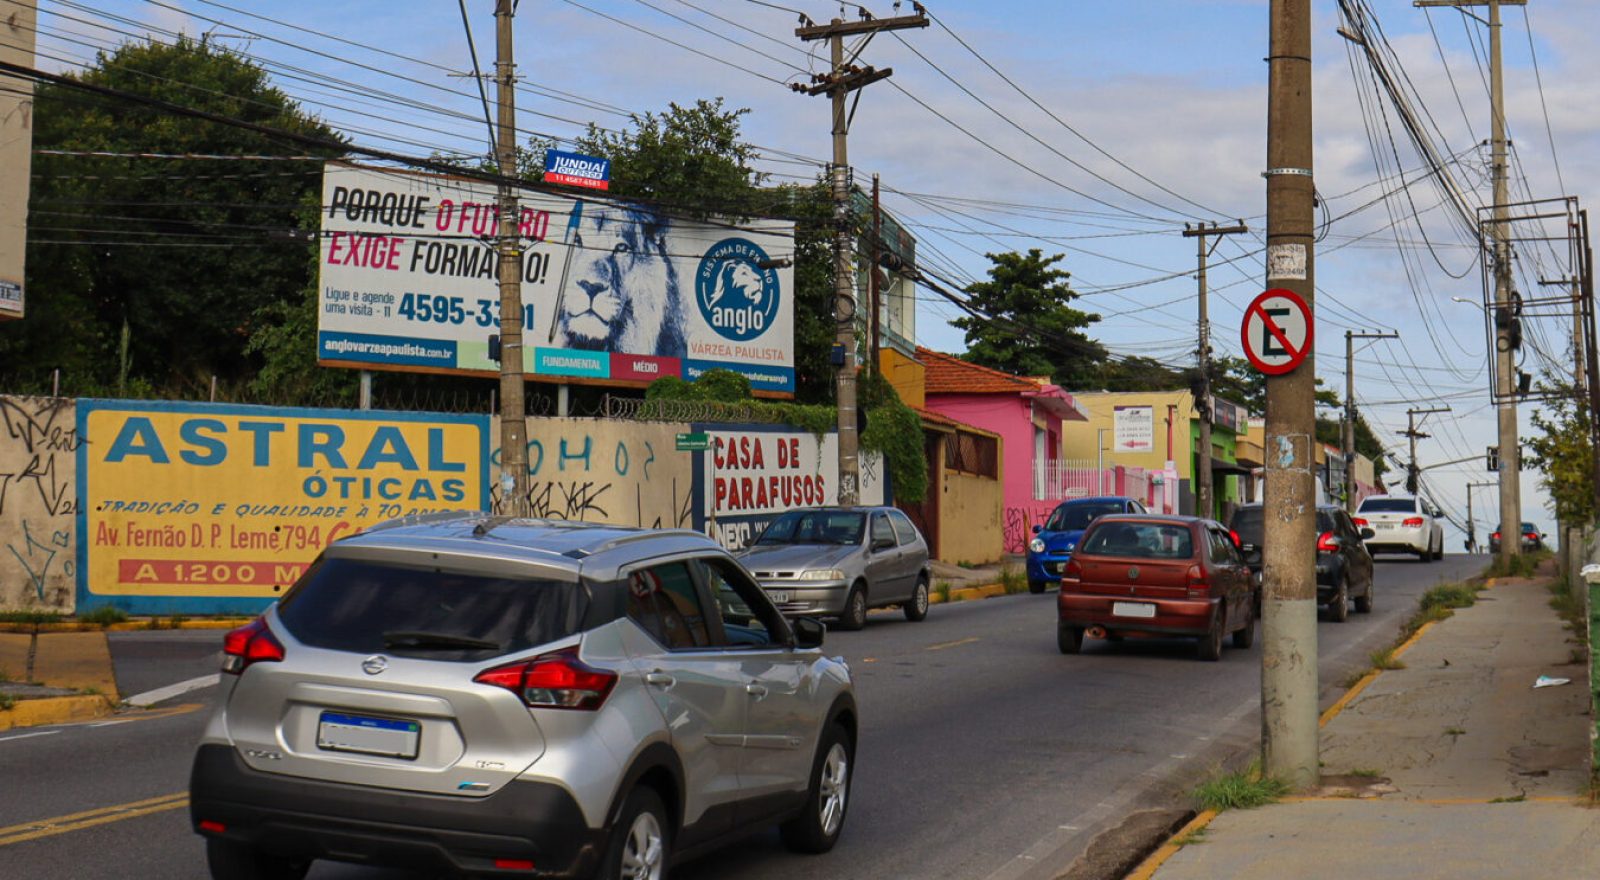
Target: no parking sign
pixel 1277 331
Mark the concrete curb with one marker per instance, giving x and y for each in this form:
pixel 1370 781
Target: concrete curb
pixel 55 710
pixel 962 594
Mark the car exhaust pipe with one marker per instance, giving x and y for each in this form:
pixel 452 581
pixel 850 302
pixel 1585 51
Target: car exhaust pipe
pixel 1095 632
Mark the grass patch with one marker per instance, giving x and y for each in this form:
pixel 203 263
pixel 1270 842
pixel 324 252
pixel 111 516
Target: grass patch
pixel 1510 800
pixel 5 675
pixel 1385 659
pixel 1013 580
pixel 1196 836
pixel 1449 596
pixel 942 590
pixel 967 565
pixel 1525 565
pixel 34 617
pixel 6 702
pixel 1365 773
pixel 1243 790
pixel 1454 731
pixel 176 621
pixel 1354 678
pixel 105 615
pixel 1567 606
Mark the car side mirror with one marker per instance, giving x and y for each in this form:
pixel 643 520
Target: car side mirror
pixel 808 632
pixel 1037 528
pixel 1367 534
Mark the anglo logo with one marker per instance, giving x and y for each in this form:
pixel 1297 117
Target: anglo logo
pixel 736 289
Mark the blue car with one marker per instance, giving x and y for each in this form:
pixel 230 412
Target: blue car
pixel 1053 542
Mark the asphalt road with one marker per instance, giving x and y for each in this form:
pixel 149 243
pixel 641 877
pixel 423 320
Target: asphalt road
pixel 985 754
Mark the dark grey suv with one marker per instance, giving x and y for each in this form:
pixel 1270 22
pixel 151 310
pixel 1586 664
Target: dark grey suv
pixel 1344 567
pixel 481 696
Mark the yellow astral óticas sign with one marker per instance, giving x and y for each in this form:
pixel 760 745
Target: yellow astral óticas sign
pixel 200 500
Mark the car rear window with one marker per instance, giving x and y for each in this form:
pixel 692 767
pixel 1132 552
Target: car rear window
pixel 1389 505
pixel 1247 522
pixel 1136 539
pixel 362 606
pixel 1076 515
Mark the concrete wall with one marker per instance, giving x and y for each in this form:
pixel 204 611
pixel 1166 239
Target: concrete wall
pixel 970 528
pixel 599 470
pixel 906 375
pixel 38 503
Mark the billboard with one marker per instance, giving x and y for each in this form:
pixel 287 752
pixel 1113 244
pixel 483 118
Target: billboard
pixel 612 293
pixel 751 475
pixel 209 507
pixel 1134 428
pixel 16 155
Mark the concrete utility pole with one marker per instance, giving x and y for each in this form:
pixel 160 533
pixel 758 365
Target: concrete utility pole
pixel 1350 412
pixel 1472 527
pixel 1412 436
pixel 1289 583
pixel 513 402
pixel 1204 505
pixel 843 78
pixel 1505 372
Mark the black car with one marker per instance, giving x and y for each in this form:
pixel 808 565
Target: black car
pixel 1344 568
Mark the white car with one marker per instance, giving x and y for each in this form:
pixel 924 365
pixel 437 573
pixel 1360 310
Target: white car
pixel 1402 524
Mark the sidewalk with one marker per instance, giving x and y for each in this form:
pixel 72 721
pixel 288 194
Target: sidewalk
pixel 1453 767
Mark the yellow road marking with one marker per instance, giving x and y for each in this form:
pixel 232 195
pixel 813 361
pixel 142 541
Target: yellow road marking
pixel 90 818
pixel 942 645
pixel 1147 868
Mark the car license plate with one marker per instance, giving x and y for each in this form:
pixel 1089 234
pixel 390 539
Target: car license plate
pixel 1052 567
pixel 366 735
pixel 1133 609
pixel 778 596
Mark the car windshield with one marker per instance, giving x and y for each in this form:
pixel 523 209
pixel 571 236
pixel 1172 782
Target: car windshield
pixel 816 527
pixel 1076 515
pixel 368 607
pixel 1529 529
pixel 1139 540
pixel 1389 505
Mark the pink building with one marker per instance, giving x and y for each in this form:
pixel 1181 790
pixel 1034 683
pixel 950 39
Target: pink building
pixel 1027 414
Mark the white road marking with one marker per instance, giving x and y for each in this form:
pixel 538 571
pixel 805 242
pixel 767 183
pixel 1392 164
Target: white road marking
pixel 26 735
pixel 150 698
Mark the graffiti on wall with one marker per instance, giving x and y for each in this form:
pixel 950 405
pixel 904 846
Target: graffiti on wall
pixel 592 470
pixel 38 500
pixel 1018 525
pixel 212 507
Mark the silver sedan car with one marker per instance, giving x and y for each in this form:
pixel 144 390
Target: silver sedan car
pixel 841 561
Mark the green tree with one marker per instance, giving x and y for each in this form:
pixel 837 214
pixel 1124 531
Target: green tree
pixel 1563 451
pixel 149 274
pixel 1032 328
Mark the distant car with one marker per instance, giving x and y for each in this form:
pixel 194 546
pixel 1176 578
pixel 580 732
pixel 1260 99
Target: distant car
pixel 841 561
pixel 1532 539
pixel 1054 539
pixel 466 695
pixel 1344 567
pixel 1402 524
pixel 1156 575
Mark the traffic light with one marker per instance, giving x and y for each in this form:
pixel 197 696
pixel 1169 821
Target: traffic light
pixel 1494 458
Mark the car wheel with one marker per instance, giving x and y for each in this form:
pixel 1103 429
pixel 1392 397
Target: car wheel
pixel 854 615
pixel 1364 601
pixel 817 827
pixel 1439 553
pixel 916 607
pixel 1339 605
pixel 1245 636
pixel 1210 645
pixel 235 861
pixel 1069 638
pixel 640 839
pixel 1036 587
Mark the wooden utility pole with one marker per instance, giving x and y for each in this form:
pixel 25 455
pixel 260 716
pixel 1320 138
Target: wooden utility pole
pixel 1204 505
pixel 1412 436
pixel 1350 412
pixel 1289 745
pixel 844 77
pixel 513 402
pixel 1505 372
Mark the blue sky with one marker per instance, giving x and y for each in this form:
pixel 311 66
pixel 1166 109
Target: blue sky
pixel 1174 90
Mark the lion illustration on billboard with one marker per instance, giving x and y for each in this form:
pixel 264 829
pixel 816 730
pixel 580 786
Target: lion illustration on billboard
pixel 624 293
pixel 739 278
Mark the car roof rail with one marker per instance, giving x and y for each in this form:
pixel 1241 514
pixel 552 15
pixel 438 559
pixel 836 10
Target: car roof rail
pixel 426 519
pixel 644 535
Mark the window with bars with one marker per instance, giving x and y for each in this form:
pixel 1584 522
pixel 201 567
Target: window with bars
pixel 972 454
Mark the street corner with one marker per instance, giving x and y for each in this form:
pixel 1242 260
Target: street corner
pixel 55 678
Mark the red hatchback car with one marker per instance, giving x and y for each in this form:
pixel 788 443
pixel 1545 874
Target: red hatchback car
pixel 1157 575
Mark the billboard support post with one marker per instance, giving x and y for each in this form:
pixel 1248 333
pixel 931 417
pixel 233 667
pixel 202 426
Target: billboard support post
pixel 513 400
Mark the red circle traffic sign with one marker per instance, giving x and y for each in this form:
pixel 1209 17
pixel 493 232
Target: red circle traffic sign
pixel 1277 331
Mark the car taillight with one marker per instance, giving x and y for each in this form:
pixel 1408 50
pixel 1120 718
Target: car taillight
pixel 1495 536
pixel 1530 535
pixel 1361 523
pixel 1328 542
pixel 1413 522
pixel 553 681
pixel 1235 536
pixel 251 643
pixel 1073 572
pixel 1196 581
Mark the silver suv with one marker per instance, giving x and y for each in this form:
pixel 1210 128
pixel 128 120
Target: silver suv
pixel 483 696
